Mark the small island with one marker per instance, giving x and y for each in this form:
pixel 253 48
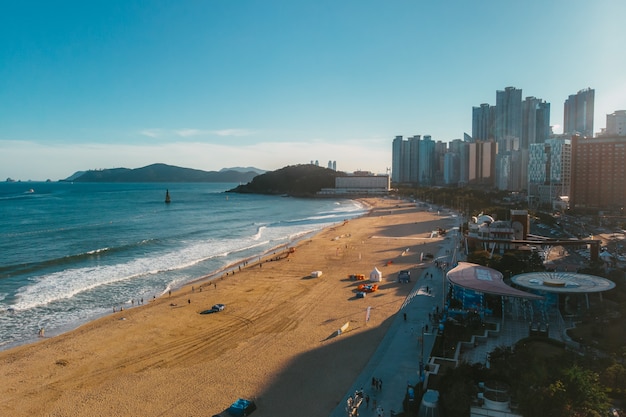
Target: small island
pixel 295 181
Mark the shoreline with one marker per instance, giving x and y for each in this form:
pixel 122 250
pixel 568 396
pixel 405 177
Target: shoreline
pixel 217 274
pixel 275 341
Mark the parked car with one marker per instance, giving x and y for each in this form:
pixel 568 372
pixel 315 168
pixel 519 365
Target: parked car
pixel 215 309
pixel 404 276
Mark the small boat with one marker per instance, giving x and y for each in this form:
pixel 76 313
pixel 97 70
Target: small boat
pixel 167 197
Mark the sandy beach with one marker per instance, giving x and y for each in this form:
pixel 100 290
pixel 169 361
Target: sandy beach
pixel 275 342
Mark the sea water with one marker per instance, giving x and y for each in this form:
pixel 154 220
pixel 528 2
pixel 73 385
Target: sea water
pixel 71 252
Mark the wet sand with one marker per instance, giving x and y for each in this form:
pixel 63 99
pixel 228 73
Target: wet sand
pixel 275 342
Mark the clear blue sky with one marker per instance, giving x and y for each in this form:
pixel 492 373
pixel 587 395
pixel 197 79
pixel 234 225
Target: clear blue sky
pixel 209 84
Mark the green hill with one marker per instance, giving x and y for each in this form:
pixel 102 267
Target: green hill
pixel 163 173
pixel 297 181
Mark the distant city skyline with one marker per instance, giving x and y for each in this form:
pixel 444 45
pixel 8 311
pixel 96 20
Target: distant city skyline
pixel 268 83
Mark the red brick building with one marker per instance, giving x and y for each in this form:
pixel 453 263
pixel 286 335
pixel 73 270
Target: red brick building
pixel 598 178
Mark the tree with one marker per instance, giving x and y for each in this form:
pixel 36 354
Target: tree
pixel 614 376
pixel 458 388
pixel 576 392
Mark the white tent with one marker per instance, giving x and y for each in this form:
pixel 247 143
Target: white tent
pixel 376 275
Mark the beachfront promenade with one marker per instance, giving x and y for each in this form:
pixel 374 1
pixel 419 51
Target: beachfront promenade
pixel 396 362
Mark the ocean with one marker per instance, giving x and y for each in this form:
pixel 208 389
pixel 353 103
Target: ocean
pixel 71 252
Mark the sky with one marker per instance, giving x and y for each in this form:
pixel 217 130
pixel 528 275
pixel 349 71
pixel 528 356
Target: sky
pixel 211 84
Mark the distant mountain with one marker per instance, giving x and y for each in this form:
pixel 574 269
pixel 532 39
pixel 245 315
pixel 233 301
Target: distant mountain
pixel 163 173
pixel 245 169
pixel 296 181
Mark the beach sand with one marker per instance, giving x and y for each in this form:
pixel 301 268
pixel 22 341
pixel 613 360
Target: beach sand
pixel 275 342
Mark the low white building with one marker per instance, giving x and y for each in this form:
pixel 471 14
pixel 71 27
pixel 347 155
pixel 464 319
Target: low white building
pixel 359 183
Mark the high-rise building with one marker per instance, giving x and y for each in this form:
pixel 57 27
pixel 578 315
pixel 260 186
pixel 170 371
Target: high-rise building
pixel 464 161
pixel 397 163
pixel 416 160
pixel 508 135
pixel 405 160
pixel 535 121
pixel 544 130
pixel 481 160
pixel 616 123
pixel 412 150
pixel 452 163
pixel 598 177
pixel 578 113
pixel 508 123
pixel 451 168
pixel 535 129
pixel 549 170
pixel 483 120
pixel 427 161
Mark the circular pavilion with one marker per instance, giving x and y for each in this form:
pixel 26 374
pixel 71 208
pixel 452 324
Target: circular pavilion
pixel 573 285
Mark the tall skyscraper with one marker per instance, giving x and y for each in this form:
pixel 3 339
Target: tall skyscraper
pixel 508 135
pixel 508 123
pixel 578 113
pixel 535 129
pixel 405 160
pixel 412 149
pixel 483 120
pixel 535 121
pixel 396 160
pixel 427 161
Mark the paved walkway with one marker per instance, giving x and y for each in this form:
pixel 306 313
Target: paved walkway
pixel 396 362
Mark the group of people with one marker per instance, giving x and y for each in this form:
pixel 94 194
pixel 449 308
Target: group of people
pixel 354 402
pixel 377 384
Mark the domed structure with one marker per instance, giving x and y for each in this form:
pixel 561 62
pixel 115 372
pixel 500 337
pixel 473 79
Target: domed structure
pixel 484 218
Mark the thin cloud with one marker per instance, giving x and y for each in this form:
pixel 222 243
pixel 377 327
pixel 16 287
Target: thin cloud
pixel 234 132
pixel 186 133
pixel 152 133
pixel 191 132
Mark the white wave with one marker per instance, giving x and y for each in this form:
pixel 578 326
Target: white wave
pixel 67 284
pixel 259 233
pixel 95 251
